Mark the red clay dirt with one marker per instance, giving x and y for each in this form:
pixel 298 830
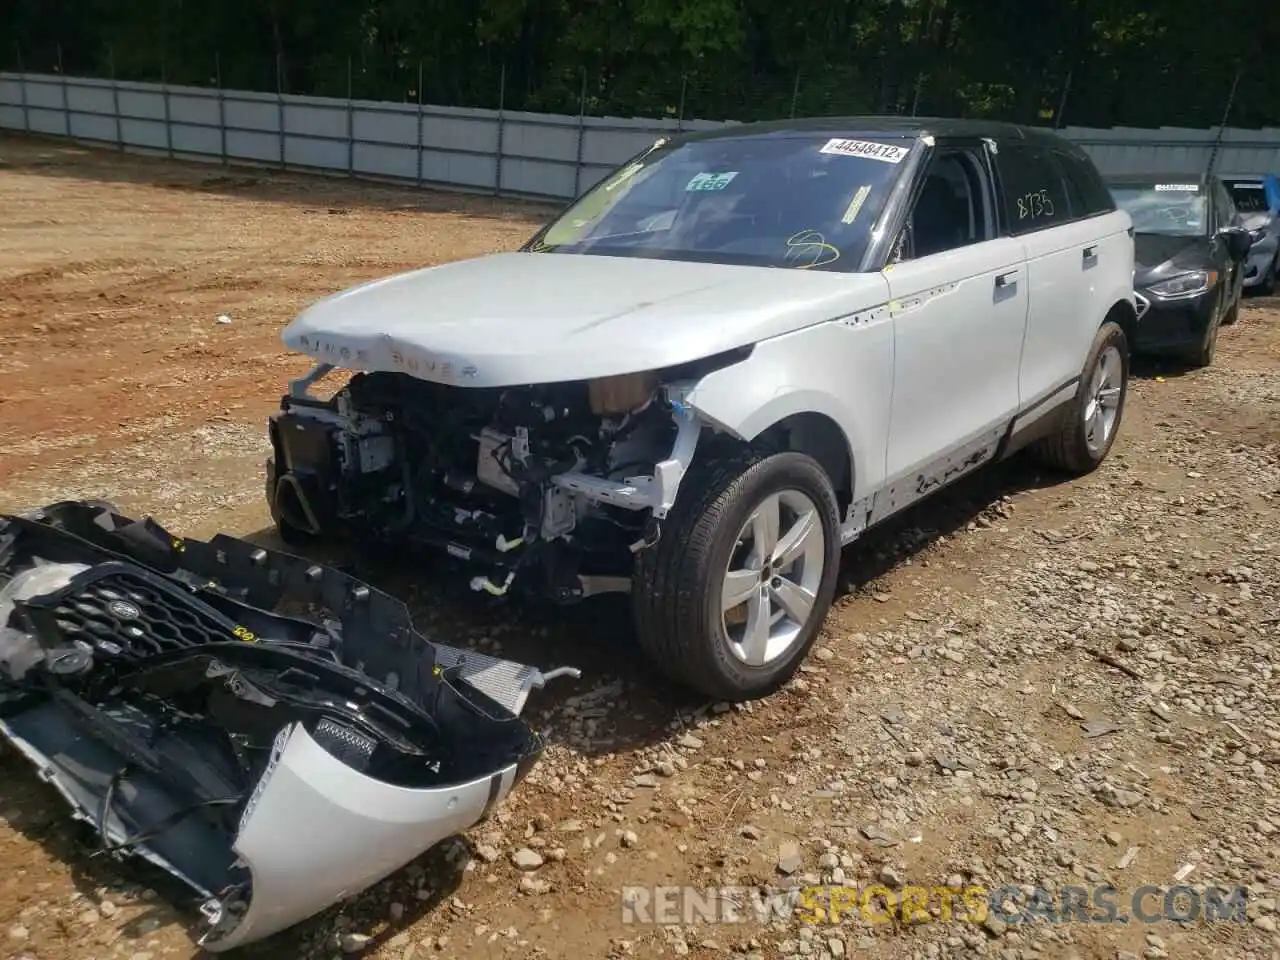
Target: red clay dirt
pixel 935 736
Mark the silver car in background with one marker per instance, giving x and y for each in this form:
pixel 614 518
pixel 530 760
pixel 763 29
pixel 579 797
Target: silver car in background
pixel 1257 200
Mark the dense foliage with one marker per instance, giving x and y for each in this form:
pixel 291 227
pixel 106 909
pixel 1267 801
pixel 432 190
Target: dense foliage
pixel 1085 62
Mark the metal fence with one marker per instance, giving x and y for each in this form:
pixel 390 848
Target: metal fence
pixel 515 153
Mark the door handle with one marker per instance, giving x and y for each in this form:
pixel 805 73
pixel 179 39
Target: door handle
pixel 1091 253
pixel 1006 279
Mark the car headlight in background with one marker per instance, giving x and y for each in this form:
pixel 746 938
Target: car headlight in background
pixel 1257 236
pixel 1186 285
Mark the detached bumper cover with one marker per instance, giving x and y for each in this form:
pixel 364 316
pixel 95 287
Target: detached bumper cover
pixel 275 762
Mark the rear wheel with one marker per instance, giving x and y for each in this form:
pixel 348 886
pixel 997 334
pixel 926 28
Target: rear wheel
pixel 1092 421
pixel 731 598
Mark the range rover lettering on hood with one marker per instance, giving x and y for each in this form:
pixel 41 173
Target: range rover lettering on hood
pixel 407 359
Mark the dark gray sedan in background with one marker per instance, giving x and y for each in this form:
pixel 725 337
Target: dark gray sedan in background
pixel 1190 248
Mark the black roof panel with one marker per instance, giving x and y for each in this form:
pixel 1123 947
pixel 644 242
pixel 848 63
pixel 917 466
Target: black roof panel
pixel 877 126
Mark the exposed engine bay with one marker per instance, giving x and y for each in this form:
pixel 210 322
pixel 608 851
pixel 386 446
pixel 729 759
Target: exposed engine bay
pixel 566 479
pixel 271 731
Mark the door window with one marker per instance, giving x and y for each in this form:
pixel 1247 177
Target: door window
pixel 1032 188
pixel 952 209
pixel 1085 188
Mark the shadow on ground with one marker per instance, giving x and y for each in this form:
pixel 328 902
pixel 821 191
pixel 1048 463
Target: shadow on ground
pixel 336 195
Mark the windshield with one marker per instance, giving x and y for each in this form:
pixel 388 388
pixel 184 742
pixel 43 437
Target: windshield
pixel 801 202
pixel 1171 209
pixel 1249 196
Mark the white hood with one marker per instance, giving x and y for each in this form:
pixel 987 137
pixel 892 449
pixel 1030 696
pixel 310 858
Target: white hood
pixel 513 318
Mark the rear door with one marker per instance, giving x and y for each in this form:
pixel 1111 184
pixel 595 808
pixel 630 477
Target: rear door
pixel 959 304
pixel 1111 268
pixel 1071 262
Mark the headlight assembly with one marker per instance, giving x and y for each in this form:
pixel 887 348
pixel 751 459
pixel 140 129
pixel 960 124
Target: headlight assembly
pixel 1186 285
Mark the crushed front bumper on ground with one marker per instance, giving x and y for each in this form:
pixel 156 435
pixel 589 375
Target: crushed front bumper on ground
pixel 271 731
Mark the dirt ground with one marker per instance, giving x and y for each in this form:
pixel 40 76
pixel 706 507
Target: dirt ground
pixel 1025 681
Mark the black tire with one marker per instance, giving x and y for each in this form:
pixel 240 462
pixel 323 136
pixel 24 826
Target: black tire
pixel 677 583
pixel 1068 449
pixel 1232 315
pixel 1203 353
pixel 1267 287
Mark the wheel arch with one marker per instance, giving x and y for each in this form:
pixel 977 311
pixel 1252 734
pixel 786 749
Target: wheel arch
pixel 1125 316
pixel 818 436
pixel 806 421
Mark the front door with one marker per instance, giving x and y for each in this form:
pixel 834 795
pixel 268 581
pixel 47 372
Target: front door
pixel 959 304
pixel 1231 269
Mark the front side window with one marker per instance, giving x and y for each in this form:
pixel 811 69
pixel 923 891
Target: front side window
pixel 951 209
pixel 795 201
pixel 1249 196
pixel 1169 209
pixel 1034 195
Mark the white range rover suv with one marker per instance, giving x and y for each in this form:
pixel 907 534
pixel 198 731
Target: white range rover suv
pixel 718 367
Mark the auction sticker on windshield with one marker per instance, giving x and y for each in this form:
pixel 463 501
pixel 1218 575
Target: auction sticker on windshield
pixel 859 198
pixel 1178 187
pixel 865 148
pixel 711 181
pixel 624 175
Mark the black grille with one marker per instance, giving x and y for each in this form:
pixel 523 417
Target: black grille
pixel 124 617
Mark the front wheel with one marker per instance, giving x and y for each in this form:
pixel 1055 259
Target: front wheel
pixel 1093 417
pixel 1202 354
pixel 1267 287
pixel 731 598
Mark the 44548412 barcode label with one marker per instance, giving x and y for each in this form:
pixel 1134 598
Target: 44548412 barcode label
pixel 888 152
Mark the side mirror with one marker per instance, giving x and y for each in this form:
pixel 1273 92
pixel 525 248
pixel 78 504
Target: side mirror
pixel 1237 240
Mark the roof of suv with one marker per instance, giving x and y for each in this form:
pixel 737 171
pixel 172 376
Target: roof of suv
pixel 876 126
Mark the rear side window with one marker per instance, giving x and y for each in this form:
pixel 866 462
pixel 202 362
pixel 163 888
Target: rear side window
pixel 1032 189
pixel 1075 192
pixel 1089 194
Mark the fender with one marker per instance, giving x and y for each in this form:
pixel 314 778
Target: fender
pixel 842 369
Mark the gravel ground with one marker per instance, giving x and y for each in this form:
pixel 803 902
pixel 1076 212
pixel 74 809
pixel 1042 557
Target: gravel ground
pixel 1026 683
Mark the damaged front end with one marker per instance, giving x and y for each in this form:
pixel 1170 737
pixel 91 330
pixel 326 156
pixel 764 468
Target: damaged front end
pixel 556 486
pixel 270 731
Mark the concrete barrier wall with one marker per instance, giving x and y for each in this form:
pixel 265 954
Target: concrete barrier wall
pixel 502 152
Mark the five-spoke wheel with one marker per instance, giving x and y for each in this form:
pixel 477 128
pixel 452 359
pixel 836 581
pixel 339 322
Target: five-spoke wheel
pixel 733 595
pixel 1103 407
pixel 772 580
